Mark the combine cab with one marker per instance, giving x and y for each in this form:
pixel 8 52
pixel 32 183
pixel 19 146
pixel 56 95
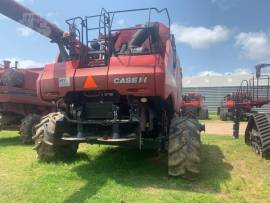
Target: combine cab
pixel 119 87
pixel 192 103
pixel 20 107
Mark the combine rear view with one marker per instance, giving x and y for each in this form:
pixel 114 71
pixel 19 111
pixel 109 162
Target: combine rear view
pixel 193 104
pixel 226 111
pixel 121 87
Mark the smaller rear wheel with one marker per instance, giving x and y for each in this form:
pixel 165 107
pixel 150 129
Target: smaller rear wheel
pixel 223 115
pixel 26 128
pixel 203 114
pixel 48 147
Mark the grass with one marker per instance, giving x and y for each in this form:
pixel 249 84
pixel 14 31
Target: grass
pixel 230 172
pixel 212 117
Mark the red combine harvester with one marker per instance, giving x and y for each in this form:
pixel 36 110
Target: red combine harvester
pixel 118 86
pixel 19 103
pixel 257 90
pixel 193 103
pixel 226 110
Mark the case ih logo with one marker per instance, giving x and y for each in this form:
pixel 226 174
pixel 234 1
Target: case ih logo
pixel 130 80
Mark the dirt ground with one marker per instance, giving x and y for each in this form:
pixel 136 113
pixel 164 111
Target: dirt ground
pixel 218 127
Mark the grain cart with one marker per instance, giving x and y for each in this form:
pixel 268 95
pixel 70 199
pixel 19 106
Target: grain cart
pixel 193 103
pixel 121 87
pixel 20 107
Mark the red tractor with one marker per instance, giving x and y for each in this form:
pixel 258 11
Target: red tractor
pixel 121 87
pixel 192 103
pixel 20 107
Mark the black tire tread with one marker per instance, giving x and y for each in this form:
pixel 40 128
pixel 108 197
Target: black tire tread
pixel 184 146
pixel 48 149
pixel 26 127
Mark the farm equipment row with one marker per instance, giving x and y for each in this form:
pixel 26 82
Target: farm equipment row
pixel 122 87
pixel 226 110
pixel 254 93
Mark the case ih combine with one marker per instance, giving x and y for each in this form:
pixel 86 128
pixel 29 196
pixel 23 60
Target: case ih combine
pixel 193 103
pixel 226 110
pixel 20 107
pixel 120 87
pixel 257 133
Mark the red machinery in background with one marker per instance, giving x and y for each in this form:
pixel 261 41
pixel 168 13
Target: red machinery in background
pixel 20 107
pixel 193 103
pixel 225 112
pixel 257 90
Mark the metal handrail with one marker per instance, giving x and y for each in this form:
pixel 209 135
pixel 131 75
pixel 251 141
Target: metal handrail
pixel 105 21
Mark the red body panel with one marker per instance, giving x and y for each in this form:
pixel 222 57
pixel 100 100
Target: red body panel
pixel 196 103
pixel 192 100
pixel 133 66
pixel 163 77
pixel 50 80
pixel 30 77
pixel 99 77
pixel 229 104
pixel 172 76
pixel 23 100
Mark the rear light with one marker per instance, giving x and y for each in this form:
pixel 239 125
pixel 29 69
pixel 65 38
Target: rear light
pixel 144 100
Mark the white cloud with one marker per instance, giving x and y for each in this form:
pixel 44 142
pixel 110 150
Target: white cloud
pixel 241 71
pixel 209 73
pixel 200 37
pixel 238 71
pixel 254 45
pixel 25 32
pixel 25 63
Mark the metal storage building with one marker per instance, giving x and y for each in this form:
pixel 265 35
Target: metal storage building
pixel 214 88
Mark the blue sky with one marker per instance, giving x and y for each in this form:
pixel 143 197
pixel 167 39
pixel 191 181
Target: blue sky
pixel 213 36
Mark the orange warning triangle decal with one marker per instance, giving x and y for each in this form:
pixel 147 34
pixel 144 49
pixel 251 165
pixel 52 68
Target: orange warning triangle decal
pixel 89 83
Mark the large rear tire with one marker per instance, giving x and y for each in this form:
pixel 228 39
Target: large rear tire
pixel 184 146
pixel 26 128
pixel 48 147
pixel 223 115
pixel 203 114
